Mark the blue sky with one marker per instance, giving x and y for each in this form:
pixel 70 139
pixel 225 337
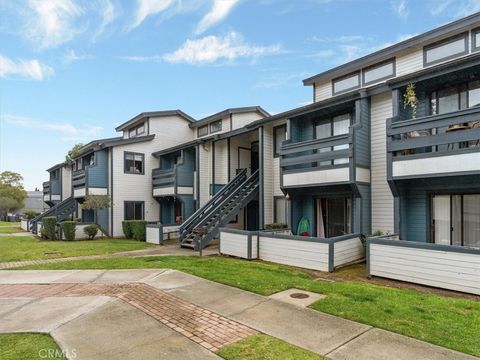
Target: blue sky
pixel 71 70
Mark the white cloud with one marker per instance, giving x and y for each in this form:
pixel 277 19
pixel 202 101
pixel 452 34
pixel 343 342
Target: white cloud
pixel 52 22
pixel 71 56
pixel 219 11
pixel 400 8
pixel 29 69
pixel 69 131
pixel 146 8
pixel 139 58
pixel 457 8
pixel 212 48
pixel 107 15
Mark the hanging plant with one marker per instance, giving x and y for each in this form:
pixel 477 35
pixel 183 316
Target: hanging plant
pixel 410 99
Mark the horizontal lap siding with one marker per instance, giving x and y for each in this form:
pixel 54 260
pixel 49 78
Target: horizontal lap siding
pixel 66 182
pixel 382 199
pixel 234 244
pixel 153 235
pixel 448 270
pixel 205 172
pixel 309 255
pixel 268 174
pixel 348 251
pixel 221 162
pixel 323 90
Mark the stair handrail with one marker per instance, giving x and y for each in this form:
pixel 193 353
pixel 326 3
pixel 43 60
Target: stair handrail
pixel 54 209
pixel 253 179
pixel 187 224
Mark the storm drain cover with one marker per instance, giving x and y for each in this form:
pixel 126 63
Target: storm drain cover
pixel 299 295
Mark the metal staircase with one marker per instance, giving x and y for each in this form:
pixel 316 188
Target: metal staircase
pixel 61 211
pixel 205 224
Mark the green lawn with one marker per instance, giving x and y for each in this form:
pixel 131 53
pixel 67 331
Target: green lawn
pixel 9 230
pixel 445 321
pixel 28 346
pixel 16 248
pixel 7 223
pixel 263 347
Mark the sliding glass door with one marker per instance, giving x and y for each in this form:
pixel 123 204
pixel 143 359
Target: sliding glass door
pixel 333 216
pixel 455 219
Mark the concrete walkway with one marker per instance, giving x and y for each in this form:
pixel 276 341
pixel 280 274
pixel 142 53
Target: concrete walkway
pixel 102 326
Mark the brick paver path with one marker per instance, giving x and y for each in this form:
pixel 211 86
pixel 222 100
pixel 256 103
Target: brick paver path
pixel 210 330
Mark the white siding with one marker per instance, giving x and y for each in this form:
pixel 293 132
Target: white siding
pixel 277 191
pixel 234 244
pixel 317 177
pixel 66 182
pixel 323 90
pixel 268 174
pixel 205 156
pixel 221 162
pixel 348 251
pixel 305 254
pixel 409 62
pixel 448 270
pixel 169 131
pixel 153 235
pixel 242 119
pixel 382 199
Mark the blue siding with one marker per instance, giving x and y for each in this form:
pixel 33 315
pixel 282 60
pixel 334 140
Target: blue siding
pixel 55 187
pixel 362 205
pixel 167 208
pixel 362 142
pixel 185 170
pixel 98 173
pixel 102 219
pixel 302 206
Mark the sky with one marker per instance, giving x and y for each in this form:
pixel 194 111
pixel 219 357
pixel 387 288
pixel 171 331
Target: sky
pixel 73 70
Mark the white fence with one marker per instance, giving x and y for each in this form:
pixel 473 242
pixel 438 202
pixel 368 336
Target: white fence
pixel 443 266
pixel 25 224
pixel 158 233
pixel 306 252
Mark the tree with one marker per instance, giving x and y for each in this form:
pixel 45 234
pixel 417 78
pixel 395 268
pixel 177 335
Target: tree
pixel 11 178
pixel 73 152
pixel 95 203
pixel 8 204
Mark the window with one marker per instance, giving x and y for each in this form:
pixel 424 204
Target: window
pixel 338 125
pixel 137 130
pixel 334 216
pixel 346 83
pixel 476 39
pixel 455 219
pixel 279 135
pixel 280 210
pixel 134 210
pixel 134 163
pixel 455 98
pixel 55 174
pixel 445 49
pixel 379 72
pixel 215 126
pixel 202 131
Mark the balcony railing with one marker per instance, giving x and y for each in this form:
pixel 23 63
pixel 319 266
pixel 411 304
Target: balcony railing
pixel 163 177
pixel 316 153
pixel 79 178
pixel 46 187
pixel 440 134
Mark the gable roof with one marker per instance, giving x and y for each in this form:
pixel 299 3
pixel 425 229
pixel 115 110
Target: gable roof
pixel 110 142
pixel 145 115
pixel 226 112
pixel 387 52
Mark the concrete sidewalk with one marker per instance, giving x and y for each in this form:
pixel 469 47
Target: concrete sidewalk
pixel 324 334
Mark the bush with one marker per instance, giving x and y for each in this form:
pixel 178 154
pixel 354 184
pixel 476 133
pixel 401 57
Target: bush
pixel 30 214
pixel 68 229
pixel 276 226
pixel 42 233
pixel 127 228
pixel 135 229
pixel 91 231
pixel 49 227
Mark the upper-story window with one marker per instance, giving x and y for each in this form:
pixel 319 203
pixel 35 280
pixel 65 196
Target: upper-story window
pixel 279 135
pixel 215 126
pixel 137 130
pixel 55 174
pixel 346 83
pixel 476 39
pixel 455 98
pixel 134 163
pixel 445 49
pixel 202 130
pixel 379 72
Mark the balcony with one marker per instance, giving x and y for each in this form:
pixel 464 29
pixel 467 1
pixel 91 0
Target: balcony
pixel 89 181
pixel 51 192
pixel 431 146
pixel 320 162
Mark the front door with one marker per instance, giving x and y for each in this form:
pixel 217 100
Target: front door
pixel 251 211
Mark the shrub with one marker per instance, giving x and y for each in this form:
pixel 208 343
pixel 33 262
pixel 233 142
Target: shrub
pixel 42 233
pixel 276 226
pixel 127 228
pixel 49 227
pixel 68 229
pixel 91 231
pixel 30 214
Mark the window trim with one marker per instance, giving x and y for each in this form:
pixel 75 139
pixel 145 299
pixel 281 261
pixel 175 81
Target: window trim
pixel 442 42
pixel 275 209
pixel 475 46
pixel 135 128
pixel 202 127
pixel 377 65
pixel 215 122
pixel 125 153
pixel 352 74
pixel 125 202
pixel 275 128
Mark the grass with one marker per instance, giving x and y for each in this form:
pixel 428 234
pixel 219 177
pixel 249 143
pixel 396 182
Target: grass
pixel 17 248
pixel 8 223
pixel 446 321
pixel 9 230
pixel 264 347
pixel 28 346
